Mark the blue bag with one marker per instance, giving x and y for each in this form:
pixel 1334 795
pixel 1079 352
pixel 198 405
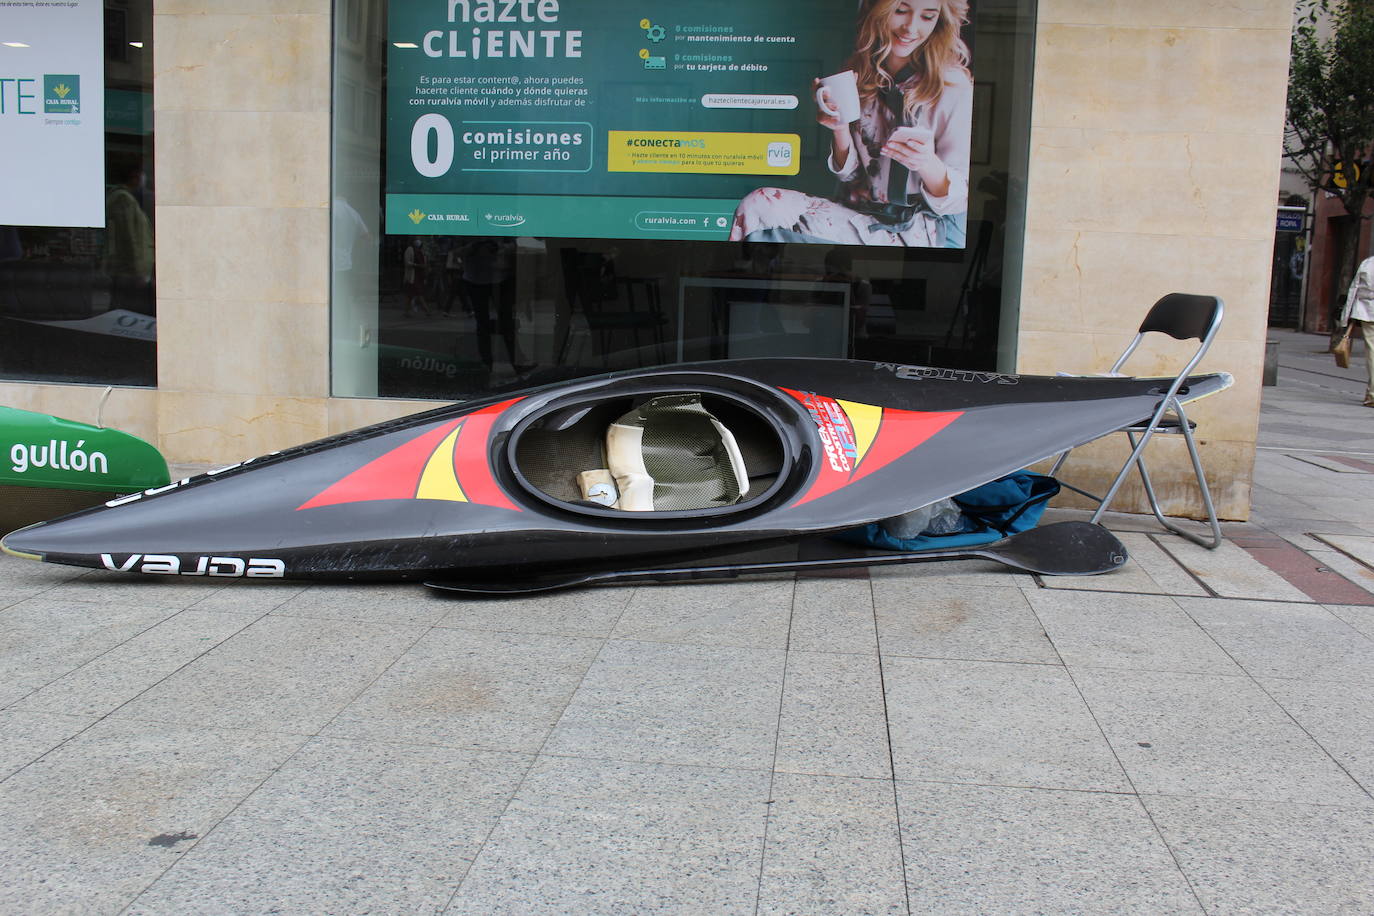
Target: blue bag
pixel 995 510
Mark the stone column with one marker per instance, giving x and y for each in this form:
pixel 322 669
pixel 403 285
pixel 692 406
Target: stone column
pixel 1154 167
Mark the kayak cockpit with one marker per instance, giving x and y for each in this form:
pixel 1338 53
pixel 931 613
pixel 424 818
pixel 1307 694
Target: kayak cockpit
pixel 678 452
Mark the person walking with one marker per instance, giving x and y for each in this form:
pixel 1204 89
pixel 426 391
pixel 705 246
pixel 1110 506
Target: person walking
pixel 1359 309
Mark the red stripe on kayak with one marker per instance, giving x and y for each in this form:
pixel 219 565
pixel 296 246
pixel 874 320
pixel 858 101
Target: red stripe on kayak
pixel 394 475
pixel 902 431
pixel 899 432
pixel 472 459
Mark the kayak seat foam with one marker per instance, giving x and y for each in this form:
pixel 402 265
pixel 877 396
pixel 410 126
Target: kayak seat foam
pixel 672 453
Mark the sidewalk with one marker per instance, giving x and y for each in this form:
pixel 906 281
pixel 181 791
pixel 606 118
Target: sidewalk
pixel 1192 734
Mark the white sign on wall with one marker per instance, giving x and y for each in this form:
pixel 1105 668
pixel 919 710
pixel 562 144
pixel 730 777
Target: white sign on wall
pixel 52 113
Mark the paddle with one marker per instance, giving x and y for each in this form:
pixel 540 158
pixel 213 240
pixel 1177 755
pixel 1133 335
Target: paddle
pixel 1061 549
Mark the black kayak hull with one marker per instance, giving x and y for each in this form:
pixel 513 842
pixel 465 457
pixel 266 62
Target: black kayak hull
pixel 447 493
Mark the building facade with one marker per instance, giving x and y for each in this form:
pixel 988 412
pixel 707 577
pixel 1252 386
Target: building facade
pixel 1118 152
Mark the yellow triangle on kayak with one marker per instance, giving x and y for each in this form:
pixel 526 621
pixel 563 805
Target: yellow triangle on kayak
pixel 865 418
pixel 439 480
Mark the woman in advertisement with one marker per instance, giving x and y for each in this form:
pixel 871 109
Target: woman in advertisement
pixel 900 119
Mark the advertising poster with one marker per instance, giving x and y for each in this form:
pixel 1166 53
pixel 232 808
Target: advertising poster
pixel 796 121
pixel 52 113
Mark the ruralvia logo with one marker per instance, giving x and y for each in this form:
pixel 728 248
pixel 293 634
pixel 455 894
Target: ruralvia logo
pixel 417 216
pixel 504 220
pixel 61 93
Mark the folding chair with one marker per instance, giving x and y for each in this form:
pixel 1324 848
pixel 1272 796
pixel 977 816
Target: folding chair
pixel 1182 317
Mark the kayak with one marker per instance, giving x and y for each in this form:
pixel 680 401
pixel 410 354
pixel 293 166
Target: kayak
pixel 637 470
pixel 52 467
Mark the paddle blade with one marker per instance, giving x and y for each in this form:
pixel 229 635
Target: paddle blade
pixel 1061 549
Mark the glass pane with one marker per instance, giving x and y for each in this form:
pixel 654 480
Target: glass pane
pixel 426 305
pixel 78 304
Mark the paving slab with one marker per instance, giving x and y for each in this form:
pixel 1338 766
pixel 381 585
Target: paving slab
pixel 1265 857
pixel 953 573
pixel 1301 471
pixel 1149 571
pixel 833 720
pixel 1136 632
pixel 280 674
pixel 1361 617
pixel 1290 517
pixel 471 688
pixel 20 579
pixel 833 615
pixel 1286 640
pixel 25 736
pixel 609 837
pixel 346 827
pixel 1229 571
pixel 94 822
pixel 1331 463
pixel 833 848
pixel 1358 547
pixel 980 849
pixel 1354 571
pixel 697 705
pixel 1207 735
pixel 255 597
pixel 752 614
pixel 1344 506
pixel 1313 572
pixel 579 612
pixel 111 679
pixel 979 623
pixel 994 723
pixel 46 637
pixel 1338 716
pixel 407 604
pixel 97 587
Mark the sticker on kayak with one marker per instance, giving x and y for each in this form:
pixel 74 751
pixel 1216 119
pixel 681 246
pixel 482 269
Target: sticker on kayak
pixel 858 439
pixel 448 462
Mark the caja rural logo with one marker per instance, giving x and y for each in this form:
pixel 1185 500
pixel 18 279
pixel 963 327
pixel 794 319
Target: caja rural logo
pixel 61 93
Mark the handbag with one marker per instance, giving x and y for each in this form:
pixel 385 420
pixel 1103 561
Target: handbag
pixel 1342 348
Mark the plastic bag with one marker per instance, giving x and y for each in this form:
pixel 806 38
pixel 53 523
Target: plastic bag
pixel 940 517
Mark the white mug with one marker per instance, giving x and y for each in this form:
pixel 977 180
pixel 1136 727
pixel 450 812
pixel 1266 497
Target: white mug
pixel 843 90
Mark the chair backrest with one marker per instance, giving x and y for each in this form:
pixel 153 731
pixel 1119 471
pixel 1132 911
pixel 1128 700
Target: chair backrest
pixel 1183 316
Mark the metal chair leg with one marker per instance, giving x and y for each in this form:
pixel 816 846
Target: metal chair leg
pixel 1059 462
pixel 1138 460
pixel 1203 488
pixel 1137 450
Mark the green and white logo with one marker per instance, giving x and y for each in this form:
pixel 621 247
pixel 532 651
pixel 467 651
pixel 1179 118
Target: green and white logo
pixel 61 93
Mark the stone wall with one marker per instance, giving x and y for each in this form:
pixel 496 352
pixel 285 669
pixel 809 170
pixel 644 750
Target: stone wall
pixel 1154 166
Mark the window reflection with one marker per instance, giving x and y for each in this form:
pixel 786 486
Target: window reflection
pixel 461 317
pixel 79 304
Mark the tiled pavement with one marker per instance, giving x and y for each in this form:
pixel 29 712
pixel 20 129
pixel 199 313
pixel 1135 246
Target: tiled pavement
pixel 1192 734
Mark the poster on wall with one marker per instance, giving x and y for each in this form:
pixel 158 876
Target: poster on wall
pixel 52 113
pixel 774 120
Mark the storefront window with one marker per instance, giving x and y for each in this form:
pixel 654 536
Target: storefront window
pixel 77 293
pixel 535 191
